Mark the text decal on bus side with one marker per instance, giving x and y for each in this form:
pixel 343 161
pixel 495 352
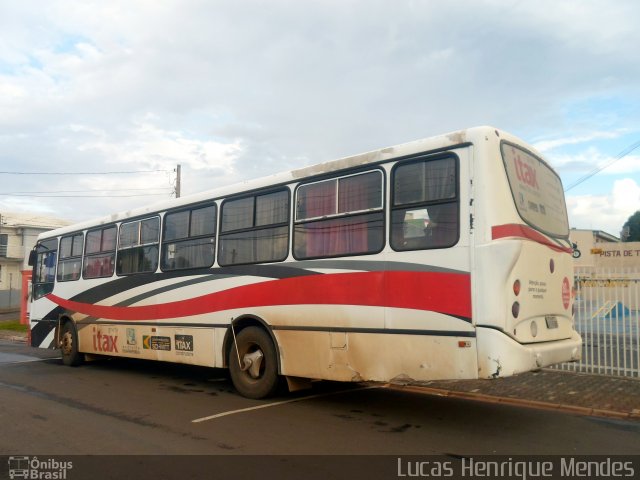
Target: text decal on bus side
pixel 105 343
pixel 526 173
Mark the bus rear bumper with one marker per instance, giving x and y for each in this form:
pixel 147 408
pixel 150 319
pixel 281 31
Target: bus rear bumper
pixel 501 356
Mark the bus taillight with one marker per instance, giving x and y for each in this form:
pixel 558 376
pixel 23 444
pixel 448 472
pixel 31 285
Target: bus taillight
pixel 515 309
pixel 516 288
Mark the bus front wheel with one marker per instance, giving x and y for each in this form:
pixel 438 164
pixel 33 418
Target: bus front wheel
pixel 253 365
pixel 69 345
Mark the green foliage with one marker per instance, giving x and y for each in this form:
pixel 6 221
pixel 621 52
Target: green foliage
pixel 633 224
pixel 13 325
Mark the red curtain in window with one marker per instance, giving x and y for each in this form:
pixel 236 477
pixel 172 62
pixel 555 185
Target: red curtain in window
pixel 318 199
pixel 336 236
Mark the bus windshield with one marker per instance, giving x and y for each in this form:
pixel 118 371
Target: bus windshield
pixel 537 191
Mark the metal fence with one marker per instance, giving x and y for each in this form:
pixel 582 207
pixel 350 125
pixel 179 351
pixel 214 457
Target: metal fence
pixel 607 316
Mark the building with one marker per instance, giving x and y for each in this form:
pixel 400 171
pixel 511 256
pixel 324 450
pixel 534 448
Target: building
pixel 18 233
pixel 601 250
pixel 607 272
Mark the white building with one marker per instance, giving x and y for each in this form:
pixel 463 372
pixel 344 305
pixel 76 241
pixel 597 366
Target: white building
pixel 18 233
pixel 600 249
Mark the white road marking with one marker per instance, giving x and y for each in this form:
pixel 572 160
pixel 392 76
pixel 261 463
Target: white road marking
pixel 275 404
pixel 13 358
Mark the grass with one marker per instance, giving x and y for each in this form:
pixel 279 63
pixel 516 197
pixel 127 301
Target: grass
pixel 14 326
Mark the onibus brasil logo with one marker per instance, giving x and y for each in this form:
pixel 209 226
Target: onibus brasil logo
pixel 33 468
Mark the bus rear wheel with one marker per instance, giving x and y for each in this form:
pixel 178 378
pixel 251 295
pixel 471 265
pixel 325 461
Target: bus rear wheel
pixel 253 365
pixel 69 345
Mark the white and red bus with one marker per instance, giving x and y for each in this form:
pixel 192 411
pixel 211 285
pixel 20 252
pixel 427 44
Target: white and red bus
pixel 443 258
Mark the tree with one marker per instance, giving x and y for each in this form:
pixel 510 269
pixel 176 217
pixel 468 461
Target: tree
pixel 631 229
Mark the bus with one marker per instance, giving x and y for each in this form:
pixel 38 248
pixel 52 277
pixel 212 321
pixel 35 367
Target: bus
pixel 443 258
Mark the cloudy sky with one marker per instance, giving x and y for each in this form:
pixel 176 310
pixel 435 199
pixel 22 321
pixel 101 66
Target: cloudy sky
pixel 238 89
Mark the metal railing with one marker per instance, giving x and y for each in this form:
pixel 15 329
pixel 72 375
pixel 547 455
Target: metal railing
pixel 607 316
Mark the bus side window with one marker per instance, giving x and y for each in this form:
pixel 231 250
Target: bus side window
pixel 100 252
pixel 432 227
pixel 70 257
pixel 340 216
pixel 138 246
pixel 254 229
pixel 425 204
pixel 412 231
pixel 189 238
pixel 442 229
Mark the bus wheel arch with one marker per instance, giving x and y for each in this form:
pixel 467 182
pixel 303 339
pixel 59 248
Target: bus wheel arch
pixel 254 364
pixel 239 324
pixel 68 343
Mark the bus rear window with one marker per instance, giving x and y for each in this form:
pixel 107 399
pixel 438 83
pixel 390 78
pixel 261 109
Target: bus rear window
pixel 537 191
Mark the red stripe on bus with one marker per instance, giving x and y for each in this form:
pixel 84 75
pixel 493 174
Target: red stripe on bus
pixel 523 231
pixel 448 293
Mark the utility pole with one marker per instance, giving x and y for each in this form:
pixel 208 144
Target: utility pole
pixel 4 252
pixel 178 169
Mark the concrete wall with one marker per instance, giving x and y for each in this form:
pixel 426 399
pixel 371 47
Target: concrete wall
pixel 599 255
pixel 10 299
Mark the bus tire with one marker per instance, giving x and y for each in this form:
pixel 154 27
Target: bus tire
pixel 257 380
pixel 69 345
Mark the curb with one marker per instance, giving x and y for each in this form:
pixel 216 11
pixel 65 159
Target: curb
pixel 520 402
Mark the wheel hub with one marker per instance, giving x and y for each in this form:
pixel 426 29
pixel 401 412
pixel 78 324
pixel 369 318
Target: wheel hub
pixel 251 363
pixel 66 344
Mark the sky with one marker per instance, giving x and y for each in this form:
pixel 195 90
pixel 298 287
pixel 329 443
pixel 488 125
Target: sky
pixel 239 89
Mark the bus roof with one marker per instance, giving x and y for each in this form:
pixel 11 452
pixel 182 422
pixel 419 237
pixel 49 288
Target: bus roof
pixel 457 138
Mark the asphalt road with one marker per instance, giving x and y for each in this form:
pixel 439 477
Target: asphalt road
pixel 132 407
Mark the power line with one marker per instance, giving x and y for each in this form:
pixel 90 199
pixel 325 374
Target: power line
pixel 85 173
pixel 620 156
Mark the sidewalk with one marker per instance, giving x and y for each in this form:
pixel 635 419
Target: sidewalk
pixel 579 393
pixel 13 336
